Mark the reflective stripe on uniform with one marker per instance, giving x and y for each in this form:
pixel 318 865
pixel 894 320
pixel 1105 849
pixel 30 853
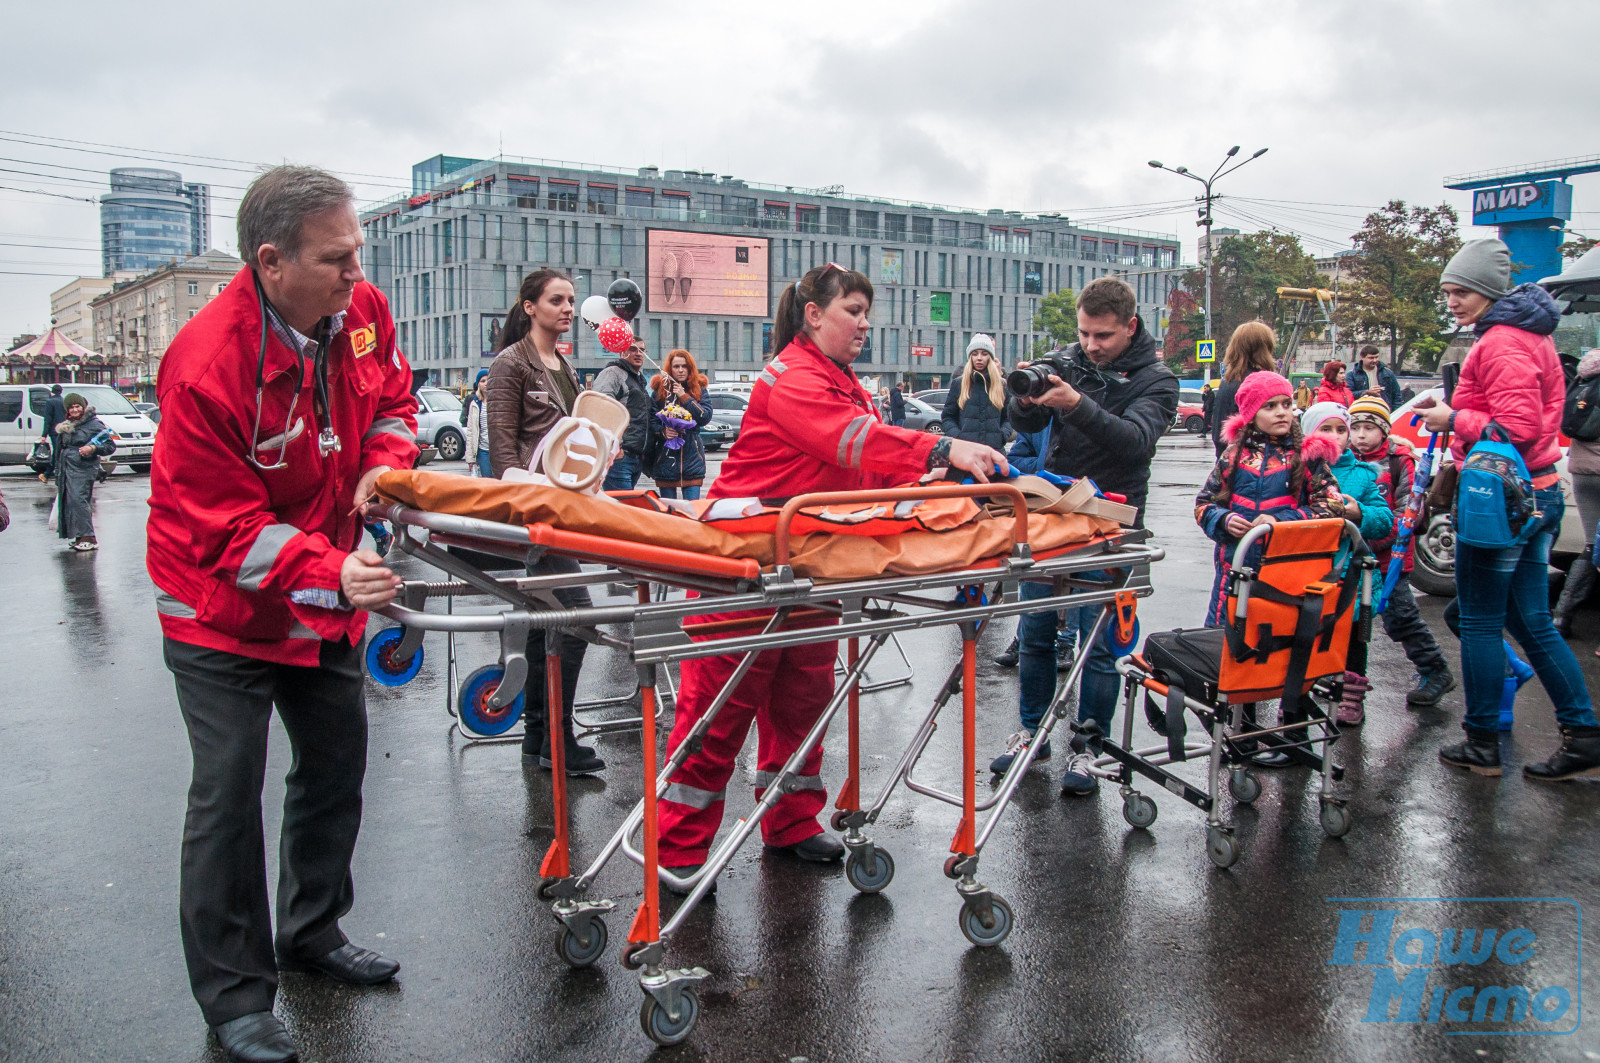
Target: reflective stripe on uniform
pixel 765 779
pixel 258 562
pixel 167 605
pixel 693 796
pixel 773 371
pixel 393 426
pixel 849 445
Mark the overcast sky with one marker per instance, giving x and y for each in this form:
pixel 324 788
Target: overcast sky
pixel 1020 104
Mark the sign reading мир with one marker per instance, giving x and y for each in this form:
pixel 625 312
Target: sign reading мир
pixel 1523 201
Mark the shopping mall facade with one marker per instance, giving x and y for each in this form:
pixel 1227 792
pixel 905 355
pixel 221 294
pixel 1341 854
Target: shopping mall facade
pixel 714 252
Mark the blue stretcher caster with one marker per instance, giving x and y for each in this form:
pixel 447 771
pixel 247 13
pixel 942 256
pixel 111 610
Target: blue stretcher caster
pixel 383 664
pixel 477 712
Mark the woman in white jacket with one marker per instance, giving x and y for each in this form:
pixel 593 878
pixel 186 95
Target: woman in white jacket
pixel 478 430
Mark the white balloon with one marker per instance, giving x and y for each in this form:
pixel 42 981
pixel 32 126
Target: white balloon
pixel 596 309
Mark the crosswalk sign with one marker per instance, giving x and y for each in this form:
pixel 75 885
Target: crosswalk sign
pixel 1205 350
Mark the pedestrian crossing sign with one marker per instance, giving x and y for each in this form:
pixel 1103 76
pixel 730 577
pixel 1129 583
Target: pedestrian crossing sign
pixel 1205 350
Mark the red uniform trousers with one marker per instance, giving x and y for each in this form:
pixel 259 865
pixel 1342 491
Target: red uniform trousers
pixel 784 692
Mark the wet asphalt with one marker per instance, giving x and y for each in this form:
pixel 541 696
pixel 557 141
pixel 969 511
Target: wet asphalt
pixel 1128 945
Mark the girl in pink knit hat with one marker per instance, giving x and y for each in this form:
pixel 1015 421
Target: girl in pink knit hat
pixel 1262 477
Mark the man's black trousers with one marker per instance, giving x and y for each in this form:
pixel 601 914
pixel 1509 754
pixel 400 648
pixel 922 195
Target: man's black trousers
pixel 226 701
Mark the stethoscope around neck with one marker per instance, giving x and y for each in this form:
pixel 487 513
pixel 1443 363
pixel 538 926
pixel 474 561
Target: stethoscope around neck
pixel 327 440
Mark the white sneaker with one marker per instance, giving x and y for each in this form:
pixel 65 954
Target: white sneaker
pixel 1014 747
pixel 1079 780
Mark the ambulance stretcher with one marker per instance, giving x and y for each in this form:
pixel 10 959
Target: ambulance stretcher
pixel 1107 567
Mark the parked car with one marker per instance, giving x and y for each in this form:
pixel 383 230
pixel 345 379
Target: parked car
pixel 22 423
pixel 439 423
pixel 923 416
pixel 1435 571
pixel 150 410
pixel 933 397
pixel 727 413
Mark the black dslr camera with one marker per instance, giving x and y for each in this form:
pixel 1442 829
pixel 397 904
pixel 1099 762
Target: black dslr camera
pixel 1033 380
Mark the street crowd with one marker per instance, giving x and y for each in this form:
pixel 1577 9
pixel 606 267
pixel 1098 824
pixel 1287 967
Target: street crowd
pixel 286 397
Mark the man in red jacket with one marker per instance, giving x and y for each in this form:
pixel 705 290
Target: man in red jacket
pixel 281 403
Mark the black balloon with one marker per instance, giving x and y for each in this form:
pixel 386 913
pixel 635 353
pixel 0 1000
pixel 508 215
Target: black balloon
pixel 625 298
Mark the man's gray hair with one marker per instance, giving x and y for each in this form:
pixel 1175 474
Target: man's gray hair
pixel 276 205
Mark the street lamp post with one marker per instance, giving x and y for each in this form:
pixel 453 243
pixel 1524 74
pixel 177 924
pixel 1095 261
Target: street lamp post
pixel 1205 215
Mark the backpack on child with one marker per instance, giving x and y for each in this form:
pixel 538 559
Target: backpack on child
pixel 1494 494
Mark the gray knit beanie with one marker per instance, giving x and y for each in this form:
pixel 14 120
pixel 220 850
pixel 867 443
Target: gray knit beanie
pixel 1481 265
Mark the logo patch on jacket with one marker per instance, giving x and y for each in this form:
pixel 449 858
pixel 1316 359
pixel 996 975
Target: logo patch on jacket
pixel 364 340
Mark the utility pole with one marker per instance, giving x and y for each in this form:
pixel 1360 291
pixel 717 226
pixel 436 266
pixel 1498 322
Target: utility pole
pixel 1206 201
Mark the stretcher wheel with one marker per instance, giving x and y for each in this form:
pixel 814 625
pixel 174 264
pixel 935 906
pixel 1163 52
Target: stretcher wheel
pixel 869 878
pixel 1138 810
pixel 837 820
pixel 582 947
pixel 547 889
pixel 662 1028
pixel 1335 820
pixel 1117 645
pixel 986 929
pixel 1221 848
pixel 950 865
pixel 473 705
pixel 381 663
pixel 630 955
pixel 1243 785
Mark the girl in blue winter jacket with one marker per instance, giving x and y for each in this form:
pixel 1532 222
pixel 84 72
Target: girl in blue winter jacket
pixel 1365 507
pixel 1262 477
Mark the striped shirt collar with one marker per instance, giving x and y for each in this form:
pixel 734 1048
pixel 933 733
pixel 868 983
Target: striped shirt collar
pixel 296 341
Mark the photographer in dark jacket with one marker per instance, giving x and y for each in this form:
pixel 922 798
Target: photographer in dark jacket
pixel 1106 425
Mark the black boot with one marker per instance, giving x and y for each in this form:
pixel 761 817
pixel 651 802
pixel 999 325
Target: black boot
pixel 1479 753
pixel 1579 755
pixel 580 760
pixel 1012 654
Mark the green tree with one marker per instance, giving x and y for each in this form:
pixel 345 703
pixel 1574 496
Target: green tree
pixel 1579 246
pixel 1393 298
pixel 1247 272
pixel 1057 318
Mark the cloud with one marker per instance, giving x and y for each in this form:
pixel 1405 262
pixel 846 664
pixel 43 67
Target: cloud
pixel 1019 104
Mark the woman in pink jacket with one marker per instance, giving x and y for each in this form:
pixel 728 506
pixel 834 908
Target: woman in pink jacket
pixel 1512 377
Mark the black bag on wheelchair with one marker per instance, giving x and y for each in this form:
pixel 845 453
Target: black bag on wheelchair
pixel 1188 661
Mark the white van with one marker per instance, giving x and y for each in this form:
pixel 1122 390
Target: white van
pixel 22 409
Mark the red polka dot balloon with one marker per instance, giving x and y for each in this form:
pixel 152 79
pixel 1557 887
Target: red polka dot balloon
pixel 616 335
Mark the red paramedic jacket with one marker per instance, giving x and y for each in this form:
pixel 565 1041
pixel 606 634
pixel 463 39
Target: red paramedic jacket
pixel 229 543
pixel 811 426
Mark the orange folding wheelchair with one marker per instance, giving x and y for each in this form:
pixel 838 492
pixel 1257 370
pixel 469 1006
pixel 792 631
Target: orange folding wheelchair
pixel 1294 604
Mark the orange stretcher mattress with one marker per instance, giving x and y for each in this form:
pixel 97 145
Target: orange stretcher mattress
pixel 814 556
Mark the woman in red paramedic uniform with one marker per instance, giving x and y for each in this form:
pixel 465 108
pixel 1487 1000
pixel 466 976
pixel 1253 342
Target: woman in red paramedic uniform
pixel 810 426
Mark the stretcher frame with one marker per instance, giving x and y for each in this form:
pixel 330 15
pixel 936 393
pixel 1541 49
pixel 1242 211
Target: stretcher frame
pixel 1228 743
pixel 855 611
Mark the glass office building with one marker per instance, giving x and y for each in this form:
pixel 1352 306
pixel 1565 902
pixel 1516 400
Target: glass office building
pixel 713 253
pixel 151 218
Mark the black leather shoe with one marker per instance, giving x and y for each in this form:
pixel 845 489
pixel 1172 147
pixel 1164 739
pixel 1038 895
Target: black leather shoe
pixel 1010 655
pixel 256 1038
pixel 579 760
pixel 818 849
pixel 1480 753
pixel 347 963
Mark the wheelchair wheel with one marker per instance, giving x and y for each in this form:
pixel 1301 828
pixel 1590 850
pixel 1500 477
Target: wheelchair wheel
pixel 1243 785
pixel 381 663
pixel 1139 811
pixel 476 714
pixel 1221 848
pixel 1335 820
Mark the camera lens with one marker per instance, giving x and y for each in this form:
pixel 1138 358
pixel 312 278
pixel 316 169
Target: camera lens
pixel 1029 382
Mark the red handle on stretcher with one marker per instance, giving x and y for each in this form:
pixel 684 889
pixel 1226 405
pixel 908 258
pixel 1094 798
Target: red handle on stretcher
pixel 1019 505
pixel 601 548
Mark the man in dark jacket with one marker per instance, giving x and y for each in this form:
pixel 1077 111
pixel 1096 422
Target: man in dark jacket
pixel 897 405
pixel 624 381
pixel 1371 375
pixel 55 411
pixel 1104 428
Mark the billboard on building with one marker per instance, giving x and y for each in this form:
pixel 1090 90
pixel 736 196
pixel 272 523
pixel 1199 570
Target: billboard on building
pixel 939 308
pixel 707 273
pixel 892 266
